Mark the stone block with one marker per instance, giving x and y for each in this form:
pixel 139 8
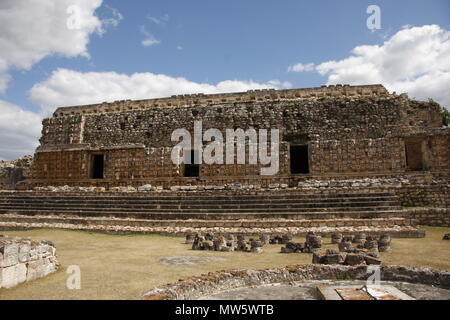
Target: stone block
pixel 20 272
pixel 333 259
pixel 353 259
pixel 8 277
pixel 372 260
pixel 32 270
pixel 256 250
pixel 10 252
pixel 24 252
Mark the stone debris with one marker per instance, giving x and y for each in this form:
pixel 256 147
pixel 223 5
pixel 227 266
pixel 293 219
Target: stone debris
pixel 14 171
pixel 312 244
pixel 336 238
pixel 345 258
pixel 264 238
pixel 384 243
pixel 367 250
pixel 352 183
pixel 190 238
pixel 226 243
pixel 359 239
pixel 24 260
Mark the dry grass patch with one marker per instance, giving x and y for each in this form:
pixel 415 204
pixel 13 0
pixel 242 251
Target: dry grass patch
pixel 125 267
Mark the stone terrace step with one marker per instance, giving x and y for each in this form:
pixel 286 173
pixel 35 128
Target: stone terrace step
pixel 13 200
pixel 243 223
pixel 177 213
pixel 395 231
pixel 191 196
pixel 291 214
pixel 207 208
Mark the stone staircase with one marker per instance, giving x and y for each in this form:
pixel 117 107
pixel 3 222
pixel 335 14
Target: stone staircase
pixel 277 211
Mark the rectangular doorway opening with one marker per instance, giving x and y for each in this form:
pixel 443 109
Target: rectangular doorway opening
pixel 414 157
pixel 98 166
pixel 191 169
pixel 299 159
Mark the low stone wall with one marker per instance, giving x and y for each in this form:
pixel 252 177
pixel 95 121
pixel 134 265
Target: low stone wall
pixel 414 190
pixel 436 217
pixel 25 260
pixel 214 282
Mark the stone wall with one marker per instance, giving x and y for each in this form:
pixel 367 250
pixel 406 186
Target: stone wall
pixel 348 130
pixel 436 217
pixel 251 95
pixel 14 171
pixel 24 260
pixel 214 282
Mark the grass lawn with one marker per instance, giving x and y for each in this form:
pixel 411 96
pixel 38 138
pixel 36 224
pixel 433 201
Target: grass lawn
pixel 125 267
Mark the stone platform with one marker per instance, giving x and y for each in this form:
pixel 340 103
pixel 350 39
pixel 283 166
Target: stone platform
pixel 280 211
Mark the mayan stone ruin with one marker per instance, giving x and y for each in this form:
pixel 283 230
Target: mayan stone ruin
pixel 352 159
pixel 335 131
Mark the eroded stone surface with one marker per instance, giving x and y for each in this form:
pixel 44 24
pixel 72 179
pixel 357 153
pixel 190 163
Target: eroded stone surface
pixel 307 291
pixel 25 260
pixel 188 260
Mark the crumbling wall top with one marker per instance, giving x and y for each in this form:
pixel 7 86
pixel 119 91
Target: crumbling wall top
pixel 251 95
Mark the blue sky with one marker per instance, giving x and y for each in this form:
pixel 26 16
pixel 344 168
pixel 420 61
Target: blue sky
pixel 207 42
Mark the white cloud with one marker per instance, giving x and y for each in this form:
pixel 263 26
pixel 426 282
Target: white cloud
pixel 159 21
pixel 67 87
pixel 300 67
pixel 32 30
pixel 415 60
pixel 149 40
pixel 19 131
pixel 29 32
pixel 113 21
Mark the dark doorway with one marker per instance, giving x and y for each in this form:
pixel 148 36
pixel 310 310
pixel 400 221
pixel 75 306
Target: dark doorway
pixel 414 159
pixel 299 159
pixel 192 169
pixel 98 165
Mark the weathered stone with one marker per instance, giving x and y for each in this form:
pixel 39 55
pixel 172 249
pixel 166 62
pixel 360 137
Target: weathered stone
pixel 345 246
pixel 208 245
pixel 10 252
pixel 24 252
pixel 190 238
pixel 256 249
pixel 333 259
pixel 264 238
pixel 384 243
pixel 372 260
pixel 336 238
pixel 353 259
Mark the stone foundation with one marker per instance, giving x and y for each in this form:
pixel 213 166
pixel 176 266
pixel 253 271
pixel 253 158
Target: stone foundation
pixel 214 282
pixel 24 260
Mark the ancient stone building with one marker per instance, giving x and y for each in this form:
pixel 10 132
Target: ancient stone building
pixel 331 132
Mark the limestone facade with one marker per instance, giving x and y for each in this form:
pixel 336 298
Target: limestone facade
pixel 341 131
